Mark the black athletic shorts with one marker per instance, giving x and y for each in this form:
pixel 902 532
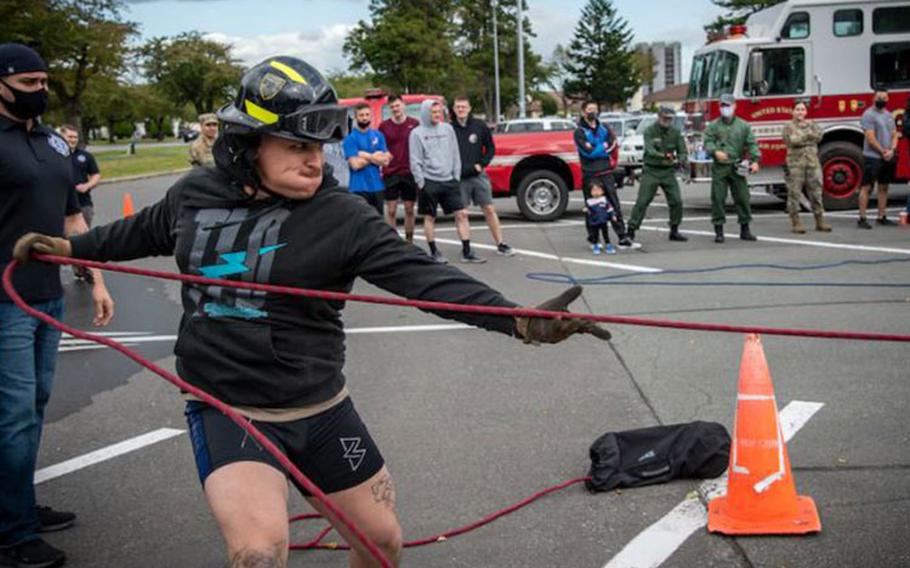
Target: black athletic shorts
pixel 333 448
pixel 400 187
pixel 439 193
pixel 374 198
pixel 878 170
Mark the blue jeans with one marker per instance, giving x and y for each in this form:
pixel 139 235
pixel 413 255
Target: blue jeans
pixel 28 354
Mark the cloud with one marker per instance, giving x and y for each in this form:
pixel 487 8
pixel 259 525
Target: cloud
pixel 321 48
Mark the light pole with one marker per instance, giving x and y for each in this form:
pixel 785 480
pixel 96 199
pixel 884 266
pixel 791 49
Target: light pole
pixel 496 60
pixel 521 61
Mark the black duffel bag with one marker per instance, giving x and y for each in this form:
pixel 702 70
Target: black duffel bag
pixel 636 458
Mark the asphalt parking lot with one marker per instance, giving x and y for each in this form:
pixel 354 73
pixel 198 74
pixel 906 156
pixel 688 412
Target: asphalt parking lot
pixel 471 421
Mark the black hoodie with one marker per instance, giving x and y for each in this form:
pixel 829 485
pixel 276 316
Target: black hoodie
pixel 475 145
pixel 266 350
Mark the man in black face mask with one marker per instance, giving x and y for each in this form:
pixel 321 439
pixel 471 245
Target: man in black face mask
pixel 879 158
pixel 596 145
pixel 37 193
pixel 366 151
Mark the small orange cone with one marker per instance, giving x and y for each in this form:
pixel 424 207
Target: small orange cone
pixel 128 210
pixel 761 496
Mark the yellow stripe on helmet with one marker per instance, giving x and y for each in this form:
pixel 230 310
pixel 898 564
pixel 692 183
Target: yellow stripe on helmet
pixel 292 75
pixel 259 113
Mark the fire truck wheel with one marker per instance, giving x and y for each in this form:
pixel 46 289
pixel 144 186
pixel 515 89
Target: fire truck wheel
pixel 842 173
pixel 542 196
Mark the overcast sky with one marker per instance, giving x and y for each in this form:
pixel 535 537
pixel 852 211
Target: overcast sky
pixel 315 29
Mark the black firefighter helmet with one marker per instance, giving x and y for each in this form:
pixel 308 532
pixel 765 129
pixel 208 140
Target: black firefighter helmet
pixel 282 96
pixel 285 96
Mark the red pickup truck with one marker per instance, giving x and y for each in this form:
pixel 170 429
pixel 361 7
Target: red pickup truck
pixel 538 168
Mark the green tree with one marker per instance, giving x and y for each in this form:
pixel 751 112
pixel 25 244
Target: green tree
pixel 154 108
pixel 474 47
pixel 644 64
pixel 109 103
pixel 349 85
pixel 81 40
pixel 559 74
pixel 191 69
pixel 407 45
pixel 600 63
pixel 737 12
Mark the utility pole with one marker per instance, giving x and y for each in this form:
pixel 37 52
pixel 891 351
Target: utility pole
pixel 496 60
pixel 521 61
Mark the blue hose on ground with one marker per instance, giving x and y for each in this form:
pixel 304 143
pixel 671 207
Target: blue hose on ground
pixel 620 279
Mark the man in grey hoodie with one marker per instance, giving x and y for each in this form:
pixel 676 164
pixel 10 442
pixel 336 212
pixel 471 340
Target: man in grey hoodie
pixel 436 167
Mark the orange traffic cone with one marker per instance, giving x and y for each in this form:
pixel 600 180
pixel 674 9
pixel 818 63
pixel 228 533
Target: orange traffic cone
pixel 761 496
pixel 128 210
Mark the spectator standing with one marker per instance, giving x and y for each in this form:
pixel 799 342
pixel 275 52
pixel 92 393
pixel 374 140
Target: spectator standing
pixel 399 183
pixel 729 140
pixel 37 193
pixel 598 213
pixel 803 168
pixel 597 146
pixel 476 150
pixel 436 167
pixel 366 151
pixel 201 148
pixel 879 158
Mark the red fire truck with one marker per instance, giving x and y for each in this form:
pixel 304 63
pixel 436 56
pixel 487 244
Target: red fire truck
pixel 832 53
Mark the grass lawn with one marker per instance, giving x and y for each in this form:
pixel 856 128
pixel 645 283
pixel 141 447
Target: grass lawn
pixel 144 161
pixel 122 141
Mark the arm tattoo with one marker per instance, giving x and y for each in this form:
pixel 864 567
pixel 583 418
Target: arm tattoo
pixel 384 491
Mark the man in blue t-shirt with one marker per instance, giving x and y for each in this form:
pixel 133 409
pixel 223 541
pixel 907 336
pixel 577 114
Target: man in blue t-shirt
pixel 366 151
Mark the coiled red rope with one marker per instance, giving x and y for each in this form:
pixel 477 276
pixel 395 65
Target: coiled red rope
pixel 268 445
pixel 237 418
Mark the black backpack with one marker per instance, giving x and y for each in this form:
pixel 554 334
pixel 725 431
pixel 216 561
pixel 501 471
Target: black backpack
pixel 636 458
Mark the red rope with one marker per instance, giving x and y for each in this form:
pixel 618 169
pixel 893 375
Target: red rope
pixel 441 537
pixel 316 543
pixel 208 399
pixel 489 310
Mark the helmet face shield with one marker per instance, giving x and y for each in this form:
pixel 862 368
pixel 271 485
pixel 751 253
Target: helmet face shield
pixel 323 123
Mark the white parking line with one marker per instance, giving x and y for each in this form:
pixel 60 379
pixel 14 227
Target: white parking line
pixel 69 344
pixel 558 224
pixel 409 328
pixel 651 547
pixel 547 256
pixel 803 242
pixel 104 454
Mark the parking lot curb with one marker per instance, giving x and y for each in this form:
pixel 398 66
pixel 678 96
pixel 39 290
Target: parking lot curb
pixel 144 176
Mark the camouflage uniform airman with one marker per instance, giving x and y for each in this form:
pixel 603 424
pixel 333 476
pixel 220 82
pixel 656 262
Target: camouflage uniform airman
pixel 804 170
pixel 201 148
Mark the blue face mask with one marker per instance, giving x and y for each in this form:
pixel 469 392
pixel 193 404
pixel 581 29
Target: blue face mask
pixel 726 111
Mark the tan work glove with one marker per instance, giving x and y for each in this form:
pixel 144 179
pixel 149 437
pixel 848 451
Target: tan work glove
pixel 40 243
pixel 541 330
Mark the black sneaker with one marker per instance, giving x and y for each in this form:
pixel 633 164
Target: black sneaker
pixel 862 223
pixel 630 232
pixel 52 520
pixel 472 258
pixel 503 249
pixel 34 553
pixel 626 243
pixel 437 256
pixel 886 222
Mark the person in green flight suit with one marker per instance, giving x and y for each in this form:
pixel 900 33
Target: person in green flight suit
pixel 728 140
pixel 665 148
